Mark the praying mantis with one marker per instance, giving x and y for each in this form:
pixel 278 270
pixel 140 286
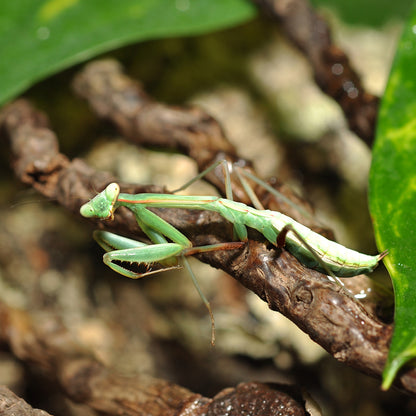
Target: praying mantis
pixel 310 248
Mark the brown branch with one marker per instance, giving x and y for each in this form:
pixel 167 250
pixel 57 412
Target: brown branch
pixel 11 405
pixel 332 69
pixel 189 130
pixel 48 345
pixel 336 321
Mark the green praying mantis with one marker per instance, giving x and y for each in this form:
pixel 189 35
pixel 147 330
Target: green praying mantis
pixel 169 244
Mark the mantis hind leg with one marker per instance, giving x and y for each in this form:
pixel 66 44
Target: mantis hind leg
pixel 226 168
pixel 281 238
pixel 244 177
pixel 240 230
pixel 243 174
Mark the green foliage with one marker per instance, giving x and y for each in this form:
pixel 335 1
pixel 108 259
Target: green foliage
pixel 41 37
pixel 393 196
pixel 367 12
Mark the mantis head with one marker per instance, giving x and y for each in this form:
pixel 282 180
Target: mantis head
pixel 102 205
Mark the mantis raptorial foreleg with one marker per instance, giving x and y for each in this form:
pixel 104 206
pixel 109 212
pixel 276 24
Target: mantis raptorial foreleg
pixel 125 250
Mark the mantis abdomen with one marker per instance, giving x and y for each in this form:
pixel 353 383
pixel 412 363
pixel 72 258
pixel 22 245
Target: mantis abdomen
pixel 340 260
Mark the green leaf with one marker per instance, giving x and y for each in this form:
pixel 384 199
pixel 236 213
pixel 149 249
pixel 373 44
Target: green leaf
pixel 368 12
pixel 393 196
pixel 41 37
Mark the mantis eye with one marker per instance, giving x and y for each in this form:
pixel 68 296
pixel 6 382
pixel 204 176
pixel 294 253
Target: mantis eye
pixel 112 191
pixel 87 211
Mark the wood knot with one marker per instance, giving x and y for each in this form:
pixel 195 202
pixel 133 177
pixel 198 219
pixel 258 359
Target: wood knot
pixel 304 295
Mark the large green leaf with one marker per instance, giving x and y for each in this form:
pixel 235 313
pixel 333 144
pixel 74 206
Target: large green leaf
pixel 42 37
pixel 393 196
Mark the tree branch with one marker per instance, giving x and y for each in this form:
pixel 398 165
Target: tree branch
pixel 11 405
pixel 332 69
pixel 46 343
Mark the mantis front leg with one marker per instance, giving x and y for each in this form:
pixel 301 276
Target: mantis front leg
pixel 123 249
